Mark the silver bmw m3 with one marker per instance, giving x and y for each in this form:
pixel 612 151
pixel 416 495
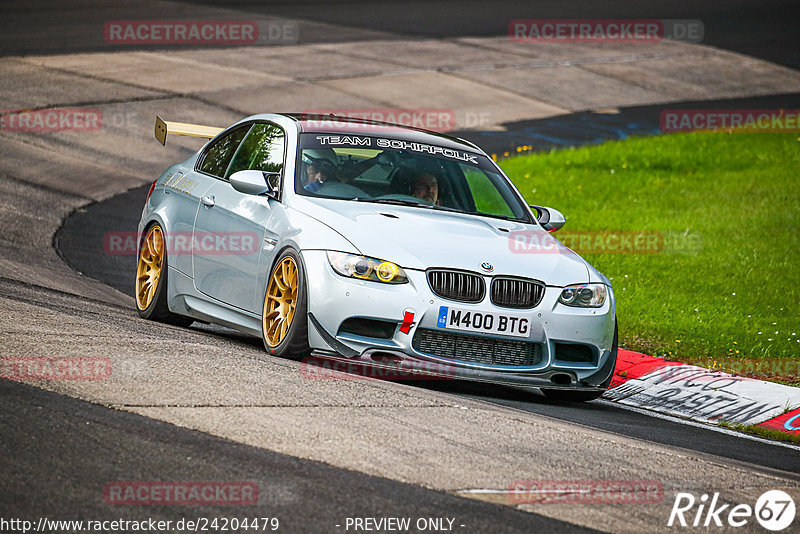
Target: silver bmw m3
pixel 357 241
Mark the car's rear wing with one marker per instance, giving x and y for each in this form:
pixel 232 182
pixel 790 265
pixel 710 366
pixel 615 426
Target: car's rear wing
pixel 183 128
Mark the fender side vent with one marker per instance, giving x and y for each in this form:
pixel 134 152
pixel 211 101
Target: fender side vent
pixel 569 352
pixel 374 328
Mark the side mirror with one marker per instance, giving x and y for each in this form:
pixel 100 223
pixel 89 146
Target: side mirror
pixel 254 182
pixel 550 219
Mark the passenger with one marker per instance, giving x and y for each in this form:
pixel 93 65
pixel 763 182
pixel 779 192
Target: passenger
pixel 318 171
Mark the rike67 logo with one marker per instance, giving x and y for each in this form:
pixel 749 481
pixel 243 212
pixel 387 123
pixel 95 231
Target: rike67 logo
pixel 774 510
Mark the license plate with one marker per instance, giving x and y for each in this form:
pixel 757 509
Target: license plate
pixel 483 322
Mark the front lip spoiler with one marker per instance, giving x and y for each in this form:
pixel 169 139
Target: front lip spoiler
pixel 407 368
pixel 334 343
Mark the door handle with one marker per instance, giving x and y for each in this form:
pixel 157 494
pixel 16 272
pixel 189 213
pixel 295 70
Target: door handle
pixel 208 201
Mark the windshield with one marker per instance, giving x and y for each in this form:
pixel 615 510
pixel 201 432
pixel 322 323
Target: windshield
pixel 391 171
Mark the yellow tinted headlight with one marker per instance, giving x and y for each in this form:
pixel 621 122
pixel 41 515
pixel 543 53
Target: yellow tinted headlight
pixel 386 271
pixel 364 268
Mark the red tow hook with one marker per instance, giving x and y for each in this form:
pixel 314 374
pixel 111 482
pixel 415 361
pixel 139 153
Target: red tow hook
pixel 408 321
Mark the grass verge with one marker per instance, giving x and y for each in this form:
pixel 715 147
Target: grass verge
pixel 763 432
pixel 719 286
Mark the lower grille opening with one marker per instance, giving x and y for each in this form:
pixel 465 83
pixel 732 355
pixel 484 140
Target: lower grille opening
pixel 568 352
pixel 562 379
pixel 475 349
pixel 361 326
pixel 385 357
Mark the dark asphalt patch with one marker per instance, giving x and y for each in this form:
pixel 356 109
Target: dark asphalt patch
pixel 593 128
pixel 57 454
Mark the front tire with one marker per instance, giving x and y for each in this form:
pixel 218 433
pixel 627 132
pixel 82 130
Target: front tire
pixel 284 322
pixel 151 280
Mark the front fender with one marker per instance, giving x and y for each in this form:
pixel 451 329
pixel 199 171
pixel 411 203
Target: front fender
pixel 307 233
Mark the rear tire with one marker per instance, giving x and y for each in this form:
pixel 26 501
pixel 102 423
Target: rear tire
pixel 151 280
pixel 284 321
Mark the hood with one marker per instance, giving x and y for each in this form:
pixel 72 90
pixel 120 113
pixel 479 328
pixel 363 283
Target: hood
pixel 420 238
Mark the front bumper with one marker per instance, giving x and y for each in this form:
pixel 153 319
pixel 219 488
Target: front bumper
pixel 333 299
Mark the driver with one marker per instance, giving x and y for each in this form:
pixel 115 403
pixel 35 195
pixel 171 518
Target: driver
pixel 426 187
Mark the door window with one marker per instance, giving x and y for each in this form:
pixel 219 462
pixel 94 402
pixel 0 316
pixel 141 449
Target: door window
pixel 218 156
pixel 262 150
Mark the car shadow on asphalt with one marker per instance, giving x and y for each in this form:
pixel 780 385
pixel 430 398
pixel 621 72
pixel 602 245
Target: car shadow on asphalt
pixel 504 394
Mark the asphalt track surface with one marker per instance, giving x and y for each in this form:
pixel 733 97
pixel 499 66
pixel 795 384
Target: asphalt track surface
pixel 744 26
pixel 305 496
pixel 759 29
pixel 59 452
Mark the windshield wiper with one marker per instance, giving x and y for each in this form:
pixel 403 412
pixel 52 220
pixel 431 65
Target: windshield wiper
pixel 502 217
pixel 419 204
pixel 446 208
pixel 404 202
pixel 397 201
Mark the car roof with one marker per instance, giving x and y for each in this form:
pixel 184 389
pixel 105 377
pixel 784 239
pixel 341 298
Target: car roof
pixel 335 124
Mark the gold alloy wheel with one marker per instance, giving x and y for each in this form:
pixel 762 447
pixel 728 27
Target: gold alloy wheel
pixel 148 273
pixel 280 302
